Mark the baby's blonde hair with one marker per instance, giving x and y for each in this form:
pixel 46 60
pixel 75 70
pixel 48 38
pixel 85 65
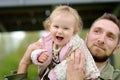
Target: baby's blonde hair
pixel 65 9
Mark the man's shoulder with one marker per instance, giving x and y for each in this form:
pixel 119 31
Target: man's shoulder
pixel 117 71
pixel 116 74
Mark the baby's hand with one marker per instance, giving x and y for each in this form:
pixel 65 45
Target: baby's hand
pixel 43 57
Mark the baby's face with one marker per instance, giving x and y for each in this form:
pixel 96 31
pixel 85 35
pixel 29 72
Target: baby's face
pixel 62 28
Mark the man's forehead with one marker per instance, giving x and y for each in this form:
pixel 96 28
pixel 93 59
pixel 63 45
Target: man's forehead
pixel 106 26
pixel 104 23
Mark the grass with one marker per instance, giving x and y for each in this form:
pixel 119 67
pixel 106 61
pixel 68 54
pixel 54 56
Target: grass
pixel 9 61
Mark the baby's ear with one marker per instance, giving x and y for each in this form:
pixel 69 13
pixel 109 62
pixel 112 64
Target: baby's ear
pixel 116 49
pixel 47 24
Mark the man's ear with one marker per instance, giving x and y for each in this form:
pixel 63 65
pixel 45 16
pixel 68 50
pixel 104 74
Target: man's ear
pixel 116 49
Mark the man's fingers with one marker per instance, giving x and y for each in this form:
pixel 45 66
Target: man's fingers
pixel 82 59
pixel 76 59
pixel 75 66
pixel 77 56
pixel 72 56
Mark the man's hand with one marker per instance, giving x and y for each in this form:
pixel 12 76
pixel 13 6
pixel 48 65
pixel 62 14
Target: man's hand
pixel 76 66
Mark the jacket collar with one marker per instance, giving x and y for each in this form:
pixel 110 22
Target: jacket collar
pixel 107 72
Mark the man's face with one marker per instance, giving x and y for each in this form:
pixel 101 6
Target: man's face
pixel 102 39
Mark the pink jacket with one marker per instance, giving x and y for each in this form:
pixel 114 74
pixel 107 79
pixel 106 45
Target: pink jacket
pixel 47 46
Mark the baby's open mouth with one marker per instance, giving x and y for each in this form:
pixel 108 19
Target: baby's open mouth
pixel 59 38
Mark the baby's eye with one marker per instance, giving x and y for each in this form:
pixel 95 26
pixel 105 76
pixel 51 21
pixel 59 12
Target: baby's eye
pixel 56 26
pixel 66 28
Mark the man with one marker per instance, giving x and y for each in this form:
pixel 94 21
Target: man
pixel 102 40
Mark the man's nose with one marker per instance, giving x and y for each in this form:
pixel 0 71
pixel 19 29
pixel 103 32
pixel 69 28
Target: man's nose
pixel 101 39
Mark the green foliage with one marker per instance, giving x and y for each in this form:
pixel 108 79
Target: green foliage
pixel 33 72
pixel 9 61
pixel 83 33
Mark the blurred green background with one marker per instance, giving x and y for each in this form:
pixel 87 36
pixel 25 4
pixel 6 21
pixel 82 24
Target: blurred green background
pixel 13 46
pixel 21 20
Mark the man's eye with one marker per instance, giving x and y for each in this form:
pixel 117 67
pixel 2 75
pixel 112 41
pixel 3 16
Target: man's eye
pixel 110 37
pixel 97 32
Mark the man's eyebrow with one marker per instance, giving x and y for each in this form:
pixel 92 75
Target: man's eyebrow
pixel 111 33
pixel 96 28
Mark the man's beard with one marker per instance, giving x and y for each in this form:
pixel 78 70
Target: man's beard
pixel 101 59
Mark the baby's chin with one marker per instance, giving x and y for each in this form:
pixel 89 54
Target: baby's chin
pixel 58 44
